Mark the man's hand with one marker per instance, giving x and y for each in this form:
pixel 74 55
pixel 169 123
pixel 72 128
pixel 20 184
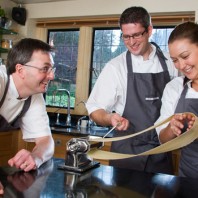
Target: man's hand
pixel 104 118
pixel 122 123
pixel 26 160
pixel 23 160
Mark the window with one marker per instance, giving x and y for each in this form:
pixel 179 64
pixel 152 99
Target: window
pixel 65 61
pixel 160 36
pixel 107 44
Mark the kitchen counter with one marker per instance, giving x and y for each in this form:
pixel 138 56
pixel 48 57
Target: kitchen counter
pixel 82 132
pixel 101 182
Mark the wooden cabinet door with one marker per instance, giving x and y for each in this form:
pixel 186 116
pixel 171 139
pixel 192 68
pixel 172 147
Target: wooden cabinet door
pixel 8 146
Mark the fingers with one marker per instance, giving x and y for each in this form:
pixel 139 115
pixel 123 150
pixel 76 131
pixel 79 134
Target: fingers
pixel 26 166
pixel 177 122
pixel 175 130
pixel 122 123
pixel 23 160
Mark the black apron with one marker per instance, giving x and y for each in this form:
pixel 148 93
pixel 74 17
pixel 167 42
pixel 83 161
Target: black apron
pixel 143 103
pixel 189 154
pixel 4 125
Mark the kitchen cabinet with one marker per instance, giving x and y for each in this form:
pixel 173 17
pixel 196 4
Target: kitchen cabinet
pixel 8 145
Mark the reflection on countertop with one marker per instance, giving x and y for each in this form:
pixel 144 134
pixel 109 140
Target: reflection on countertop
pixel 101 182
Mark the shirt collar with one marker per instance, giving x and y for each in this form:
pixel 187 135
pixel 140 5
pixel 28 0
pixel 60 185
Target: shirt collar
pixel 153 52
pixel 14 89
pixel 189 84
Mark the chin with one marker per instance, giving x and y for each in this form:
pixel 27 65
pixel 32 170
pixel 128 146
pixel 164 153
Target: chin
pixel 44 90
pixel 136 53
pixel 190 77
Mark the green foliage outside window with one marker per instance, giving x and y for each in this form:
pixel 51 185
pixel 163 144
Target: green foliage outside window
pixel 65 43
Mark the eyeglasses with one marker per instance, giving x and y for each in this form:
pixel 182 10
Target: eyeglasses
pixel 134 36
pixel 45 70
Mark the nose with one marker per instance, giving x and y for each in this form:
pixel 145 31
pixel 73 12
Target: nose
pixel 51 75
pixel 131 40
pixel 181 64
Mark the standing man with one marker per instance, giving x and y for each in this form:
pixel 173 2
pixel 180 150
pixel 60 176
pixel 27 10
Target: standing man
pixel 128 91
pixel 22 84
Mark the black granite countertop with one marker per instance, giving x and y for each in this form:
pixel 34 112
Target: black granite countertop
pixel 101 182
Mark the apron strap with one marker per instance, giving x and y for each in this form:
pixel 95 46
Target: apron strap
pixel 5 91
pixel 129 62
pixel 161 57
pixel 25 106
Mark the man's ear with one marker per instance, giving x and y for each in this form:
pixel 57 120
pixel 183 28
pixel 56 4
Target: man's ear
pixel 150 29
pixel 20 70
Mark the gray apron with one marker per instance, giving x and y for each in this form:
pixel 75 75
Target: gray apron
pixel 4 125
pixel 143 103
pixel 189 154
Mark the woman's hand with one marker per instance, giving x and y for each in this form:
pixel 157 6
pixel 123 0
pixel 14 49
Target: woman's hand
pixel 178 121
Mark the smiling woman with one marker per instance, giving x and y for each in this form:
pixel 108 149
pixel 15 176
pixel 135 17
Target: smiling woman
pixel 181 94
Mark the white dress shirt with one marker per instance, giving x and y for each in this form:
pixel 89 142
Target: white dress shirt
pixel 110 90
pixel 35 122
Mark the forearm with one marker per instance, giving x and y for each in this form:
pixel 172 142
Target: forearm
pixel 166 134
pixel 43 150
pixel 101 117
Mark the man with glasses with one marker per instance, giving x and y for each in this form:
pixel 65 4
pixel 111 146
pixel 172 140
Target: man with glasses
pixel 128 93
pixel 22 84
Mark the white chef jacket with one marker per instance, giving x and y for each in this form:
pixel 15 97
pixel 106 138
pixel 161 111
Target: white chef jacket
pixel 110 90
pixel 35 122
pixel 170 98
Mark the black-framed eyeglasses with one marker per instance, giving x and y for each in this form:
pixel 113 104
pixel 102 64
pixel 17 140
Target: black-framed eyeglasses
pixel 45 70
pixel 134 36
